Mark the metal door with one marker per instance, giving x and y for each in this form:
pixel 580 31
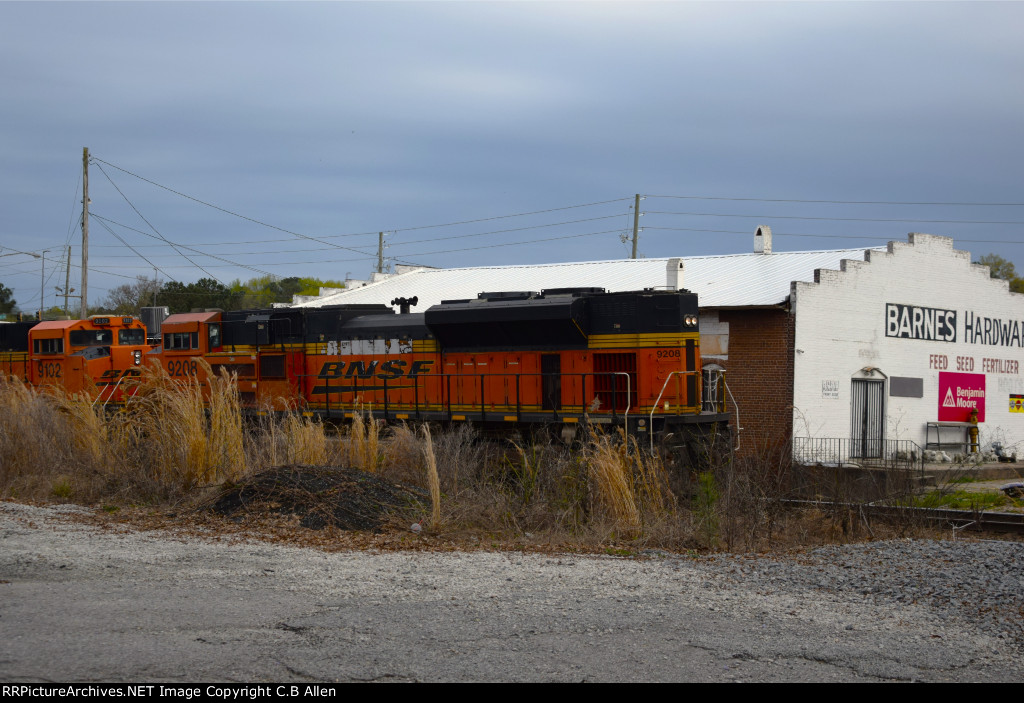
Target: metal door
pixel 551 368
pixel 867 429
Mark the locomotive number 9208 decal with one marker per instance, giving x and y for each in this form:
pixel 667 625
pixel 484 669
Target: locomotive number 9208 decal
pixel 668 354
pixel 182 368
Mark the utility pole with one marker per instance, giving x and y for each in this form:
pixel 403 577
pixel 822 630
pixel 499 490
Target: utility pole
pixel 67 282
pixel 85 232
pixel 42 279
pixel 636 223
pixel 380 252
pixel 156 281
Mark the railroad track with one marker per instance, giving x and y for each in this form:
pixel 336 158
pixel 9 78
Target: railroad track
pixel 974 520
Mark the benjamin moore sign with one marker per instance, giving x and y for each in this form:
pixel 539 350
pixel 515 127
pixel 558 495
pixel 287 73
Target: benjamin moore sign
pixel 959 394
pixel 940 325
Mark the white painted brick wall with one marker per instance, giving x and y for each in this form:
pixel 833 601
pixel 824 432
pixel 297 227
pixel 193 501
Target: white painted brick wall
pixel 840 329
pixel 714 336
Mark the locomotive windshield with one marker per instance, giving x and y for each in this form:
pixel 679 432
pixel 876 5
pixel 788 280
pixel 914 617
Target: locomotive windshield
pixel 131 336
pixel 90 338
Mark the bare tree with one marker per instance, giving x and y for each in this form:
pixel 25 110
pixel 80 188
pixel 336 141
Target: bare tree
pixel 130 298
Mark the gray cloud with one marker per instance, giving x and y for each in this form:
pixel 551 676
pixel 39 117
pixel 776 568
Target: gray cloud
pixel 334 118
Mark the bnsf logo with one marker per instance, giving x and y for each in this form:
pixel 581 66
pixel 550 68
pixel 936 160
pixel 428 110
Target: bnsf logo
pixel 386 371
pixel 113 376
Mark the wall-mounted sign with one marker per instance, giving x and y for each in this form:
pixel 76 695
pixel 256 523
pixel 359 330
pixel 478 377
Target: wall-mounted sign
pixel 830 388
pixel 940 325
pixel 992 330
pixel 906 387
pixel 1016 403
pixel 959 394
pixel 915 322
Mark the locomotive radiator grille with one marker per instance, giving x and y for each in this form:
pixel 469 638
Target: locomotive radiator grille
pixel 614 390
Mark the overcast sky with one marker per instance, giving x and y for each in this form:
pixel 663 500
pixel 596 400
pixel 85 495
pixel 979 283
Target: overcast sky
pixel 336 120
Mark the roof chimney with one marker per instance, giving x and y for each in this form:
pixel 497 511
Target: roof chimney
pixel 674 271
pixel 763 240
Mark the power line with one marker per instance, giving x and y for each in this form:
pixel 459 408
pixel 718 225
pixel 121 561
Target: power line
pixel 505 231
pixel 503 217
pixel 152 227
pixel 120 239
pixel 355 234
pixel 182 246
pixel 446 251
pixel 836 219
pixel 495 246
pixel 435 239
pixel 821 236
pixel 224 210
pixel 832 202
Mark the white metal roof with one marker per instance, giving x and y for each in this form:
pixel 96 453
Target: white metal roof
pixel 734 280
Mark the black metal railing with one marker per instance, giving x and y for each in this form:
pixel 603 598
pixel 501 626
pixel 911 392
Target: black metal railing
pixel 887 453
pixel 478 396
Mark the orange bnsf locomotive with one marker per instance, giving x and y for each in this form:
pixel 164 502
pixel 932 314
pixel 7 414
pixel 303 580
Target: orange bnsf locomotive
pixel 95 356
pixel 509 359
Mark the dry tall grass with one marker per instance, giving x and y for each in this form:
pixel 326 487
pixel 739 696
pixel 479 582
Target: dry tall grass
pixel 432 478
pixel 364 451
pixel 612 476
pixel 50 445
pixel 176 442
pixel 161 446
pixel 173 439
pixel 274 439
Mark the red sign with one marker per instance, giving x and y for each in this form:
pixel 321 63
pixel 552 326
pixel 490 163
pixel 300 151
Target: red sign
pixel 959 394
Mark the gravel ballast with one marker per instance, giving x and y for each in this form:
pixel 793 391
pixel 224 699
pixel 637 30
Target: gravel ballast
pixel 84 603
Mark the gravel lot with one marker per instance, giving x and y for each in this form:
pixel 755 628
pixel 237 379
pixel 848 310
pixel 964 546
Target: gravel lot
pixel 82 603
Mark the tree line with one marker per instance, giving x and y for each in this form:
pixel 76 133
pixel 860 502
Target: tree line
pixel 130 298
pixel 998 267
pixel 259 292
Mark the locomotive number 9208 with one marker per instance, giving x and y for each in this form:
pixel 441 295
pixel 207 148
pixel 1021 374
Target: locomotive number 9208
pixel 182 368
pixel 668 354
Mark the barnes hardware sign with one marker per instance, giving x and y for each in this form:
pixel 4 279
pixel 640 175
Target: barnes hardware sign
pixel 940 325
pixel 914 322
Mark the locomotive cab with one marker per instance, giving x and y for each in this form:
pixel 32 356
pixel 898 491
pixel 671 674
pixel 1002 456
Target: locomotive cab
pixel 185 338
pixel 94 356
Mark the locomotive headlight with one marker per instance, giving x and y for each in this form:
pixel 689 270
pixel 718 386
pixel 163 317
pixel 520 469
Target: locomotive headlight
pixel 138 357
pixel 690 320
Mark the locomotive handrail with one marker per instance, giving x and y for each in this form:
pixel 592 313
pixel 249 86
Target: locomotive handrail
pixel 613 408
pixel 629 398
pixel 100 395
pixel 658 400
pixel 110 396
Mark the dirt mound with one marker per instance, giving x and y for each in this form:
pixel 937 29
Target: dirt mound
pixel 320 496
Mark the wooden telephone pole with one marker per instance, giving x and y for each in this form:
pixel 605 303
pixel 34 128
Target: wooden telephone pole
pixel 636 223
pixel 67 282
pixel 85 232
